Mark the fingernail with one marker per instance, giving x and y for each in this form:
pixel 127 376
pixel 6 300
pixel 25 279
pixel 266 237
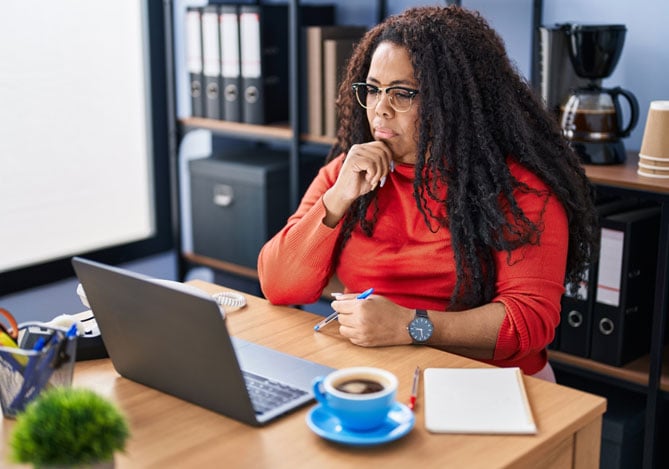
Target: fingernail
pixel 382 182
pixel 392 166
pixel 336 294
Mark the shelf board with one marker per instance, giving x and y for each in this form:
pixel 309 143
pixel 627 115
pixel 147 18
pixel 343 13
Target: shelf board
pixel 238 129
pixel 634 372
pixel 625 176
pixel 221 265
pixel 274 132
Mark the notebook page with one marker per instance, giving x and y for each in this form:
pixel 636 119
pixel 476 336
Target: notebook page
pixel 477 400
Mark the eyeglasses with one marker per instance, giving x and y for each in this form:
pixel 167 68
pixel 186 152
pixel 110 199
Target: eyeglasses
pixel 399 97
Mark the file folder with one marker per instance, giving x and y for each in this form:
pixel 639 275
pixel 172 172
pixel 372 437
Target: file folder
pixel 264 46
pixel 193 29
pixel 211 62
pixel 317 77
pixel 575 328
pixel 336 53
pixel 230 63
pixel 625 285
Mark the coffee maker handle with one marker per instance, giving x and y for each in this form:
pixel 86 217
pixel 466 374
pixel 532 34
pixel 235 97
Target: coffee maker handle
pixel 634 110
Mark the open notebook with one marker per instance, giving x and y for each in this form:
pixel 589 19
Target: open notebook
pixel 477 400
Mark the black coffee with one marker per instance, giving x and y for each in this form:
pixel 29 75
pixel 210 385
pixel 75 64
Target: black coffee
pixel 584 123
pixel 359 386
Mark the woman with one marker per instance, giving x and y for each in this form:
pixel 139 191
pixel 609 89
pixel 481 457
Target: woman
pixel 450 191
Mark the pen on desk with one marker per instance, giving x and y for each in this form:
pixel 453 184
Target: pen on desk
pixel 414 388
pixel 334 315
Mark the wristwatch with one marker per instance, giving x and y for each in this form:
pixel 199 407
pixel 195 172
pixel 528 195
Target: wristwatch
pixel 420 328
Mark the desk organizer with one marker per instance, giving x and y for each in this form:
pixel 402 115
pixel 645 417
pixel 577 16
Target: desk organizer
pixel 44 357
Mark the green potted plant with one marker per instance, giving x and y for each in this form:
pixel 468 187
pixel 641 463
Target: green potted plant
pixel 69 427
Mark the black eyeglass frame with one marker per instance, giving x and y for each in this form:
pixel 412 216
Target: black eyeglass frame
pixel 367 86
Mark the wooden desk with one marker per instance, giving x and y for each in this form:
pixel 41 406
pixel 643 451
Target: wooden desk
pixel 168 432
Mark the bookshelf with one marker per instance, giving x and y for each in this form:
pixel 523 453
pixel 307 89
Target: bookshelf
pixel 651 371
pixel 649 374
pixel 292 133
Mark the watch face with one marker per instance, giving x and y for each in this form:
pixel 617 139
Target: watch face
pixel 420 329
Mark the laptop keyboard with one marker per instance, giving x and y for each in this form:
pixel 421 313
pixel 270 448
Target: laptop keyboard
pixel 267 394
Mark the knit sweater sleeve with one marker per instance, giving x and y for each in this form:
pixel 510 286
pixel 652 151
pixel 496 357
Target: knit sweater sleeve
pixel 296 264
pixel 530 282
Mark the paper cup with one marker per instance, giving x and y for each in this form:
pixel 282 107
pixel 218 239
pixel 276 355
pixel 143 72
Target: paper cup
pixel 655 143
pixel 653 173
pixel 653 161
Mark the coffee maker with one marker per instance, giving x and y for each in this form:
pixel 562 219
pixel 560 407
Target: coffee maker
pixel 557 74
pixel 591 116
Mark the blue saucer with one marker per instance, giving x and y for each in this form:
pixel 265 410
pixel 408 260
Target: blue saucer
pixel 399 422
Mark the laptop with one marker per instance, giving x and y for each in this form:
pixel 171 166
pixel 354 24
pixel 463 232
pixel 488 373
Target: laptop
pixel 172 337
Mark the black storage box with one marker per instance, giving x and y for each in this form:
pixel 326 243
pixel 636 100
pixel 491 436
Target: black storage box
pixel 240 199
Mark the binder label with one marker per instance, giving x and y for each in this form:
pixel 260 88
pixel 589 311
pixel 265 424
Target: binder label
pixel 230 45
pixel 610 267
pixel 210 43
pixel 249 25
pixel 193 45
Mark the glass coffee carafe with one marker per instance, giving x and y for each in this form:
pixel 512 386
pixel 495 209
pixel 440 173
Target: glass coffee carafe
pixel 592 121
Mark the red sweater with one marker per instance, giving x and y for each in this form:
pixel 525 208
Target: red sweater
pixel 415 268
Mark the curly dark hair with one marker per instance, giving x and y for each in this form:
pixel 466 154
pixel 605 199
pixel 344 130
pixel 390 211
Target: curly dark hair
pixel 475 111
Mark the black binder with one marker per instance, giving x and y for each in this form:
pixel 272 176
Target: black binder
pixel 230 63
pixel 575 330
pixel 625 285
pixel 211 62
pixel 193 41
pixel 575 318
pixel 264 46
